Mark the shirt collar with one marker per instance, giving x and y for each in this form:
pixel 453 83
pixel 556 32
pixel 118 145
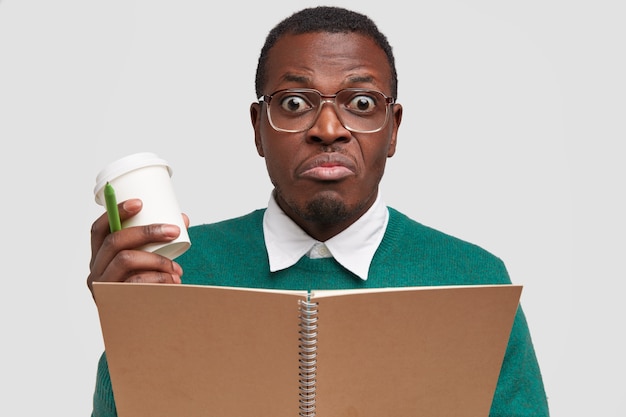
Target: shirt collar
pixel 353 248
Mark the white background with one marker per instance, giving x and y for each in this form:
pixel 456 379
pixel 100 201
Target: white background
pixel 512 138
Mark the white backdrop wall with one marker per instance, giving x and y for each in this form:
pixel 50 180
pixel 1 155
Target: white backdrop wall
pixel 512 138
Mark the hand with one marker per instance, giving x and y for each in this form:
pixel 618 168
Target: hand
pixel 115 257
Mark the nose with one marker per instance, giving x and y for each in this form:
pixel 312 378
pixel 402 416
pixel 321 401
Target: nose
pixel 327 127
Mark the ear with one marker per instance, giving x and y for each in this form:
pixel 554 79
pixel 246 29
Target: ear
pixel 255 118
pixel 396 118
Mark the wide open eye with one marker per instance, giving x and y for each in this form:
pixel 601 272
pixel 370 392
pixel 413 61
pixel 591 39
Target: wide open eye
pixel 362 104
pixel 294 103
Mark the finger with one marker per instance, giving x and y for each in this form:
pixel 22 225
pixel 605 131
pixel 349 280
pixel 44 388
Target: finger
pixel 129 239
pixel 152 277
pixel 138 266
pixel 100 229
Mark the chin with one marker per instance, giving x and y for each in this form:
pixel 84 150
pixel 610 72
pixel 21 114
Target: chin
pixel 325 210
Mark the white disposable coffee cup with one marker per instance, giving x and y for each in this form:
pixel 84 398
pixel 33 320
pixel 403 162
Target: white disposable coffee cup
pixel 147 177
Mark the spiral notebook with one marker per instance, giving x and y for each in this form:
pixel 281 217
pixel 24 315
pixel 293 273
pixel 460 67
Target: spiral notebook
pixel 182 350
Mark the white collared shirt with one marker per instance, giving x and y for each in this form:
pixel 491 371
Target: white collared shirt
pixel 353 248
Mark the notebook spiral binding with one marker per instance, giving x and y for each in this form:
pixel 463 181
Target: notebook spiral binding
pixel 308 357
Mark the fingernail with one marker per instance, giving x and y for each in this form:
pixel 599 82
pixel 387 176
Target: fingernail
pixel 170 230
pixel 131 205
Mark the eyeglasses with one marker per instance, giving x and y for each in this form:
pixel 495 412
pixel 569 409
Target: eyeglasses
pixel 296 109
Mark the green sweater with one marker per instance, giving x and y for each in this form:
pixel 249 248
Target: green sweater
pixel 232 253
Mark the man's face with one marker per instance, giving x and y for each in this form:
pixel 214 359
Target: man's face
pixel 325 177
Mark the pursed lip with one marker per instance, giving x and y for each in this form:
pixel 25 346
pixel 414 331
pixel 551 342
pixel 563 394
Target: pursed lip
pixel 328 167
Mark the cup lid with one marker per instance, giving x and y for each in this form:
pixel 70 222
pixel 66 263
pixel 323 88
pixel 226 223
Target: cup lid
pixel 124 165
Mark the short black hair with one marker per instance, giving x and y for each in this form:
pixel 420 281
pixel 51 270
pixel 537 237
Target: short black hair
pixel 325 19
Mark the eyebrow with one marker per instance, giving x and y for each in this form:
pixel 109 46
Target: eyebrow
pixel 361 79
pixel 352 80
pixel 296 78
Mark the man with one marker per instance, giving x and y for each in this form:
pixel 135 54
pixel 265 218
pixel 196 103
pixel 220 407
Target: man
pixel 326 122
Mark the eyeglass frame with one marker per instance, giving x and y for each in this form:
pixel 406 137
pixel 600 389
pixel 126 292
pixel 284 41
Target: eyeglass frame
pixel 326 98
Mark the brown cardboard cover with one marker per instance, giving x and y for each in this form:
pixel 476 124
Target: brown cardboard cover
pixel 181 350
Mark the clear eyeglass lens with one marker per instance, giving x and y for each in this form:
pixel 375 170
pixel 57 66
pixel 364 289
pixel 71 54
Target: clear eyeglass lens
pixel 358 110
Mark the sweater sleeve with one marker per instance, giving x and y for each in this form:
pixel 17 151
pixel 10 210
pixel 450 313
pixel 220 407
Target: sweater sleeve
pixel 520 391
pixel 103 401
